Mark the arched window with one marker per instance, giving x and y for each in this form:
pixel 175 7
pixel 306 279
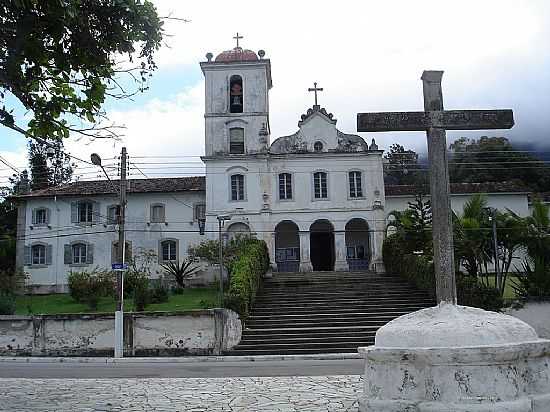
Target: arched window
pixel 38 255
pixel 236 140
pixel 237 187
pixel 320 185
pixel 318 146
pixel 80 253
pixel 236 94
pixel 169 250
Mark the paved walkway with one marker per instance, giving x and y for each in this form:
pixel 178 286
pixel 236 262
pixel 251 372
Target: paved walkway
pixel 250 394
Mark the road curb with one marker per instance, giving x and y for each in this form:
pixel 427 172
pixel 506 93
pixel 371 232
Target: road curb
pixel 190 359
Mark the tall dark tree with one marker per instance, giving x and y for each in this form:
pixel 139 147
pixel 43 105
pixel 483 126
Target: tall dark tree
pixel 402 167
pixel 49 165
pixel 494 159
pixel 59 60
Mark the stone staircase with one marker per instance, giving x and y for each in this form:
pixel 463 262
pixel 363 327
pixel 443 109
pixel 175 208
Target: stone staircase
pixel 324 312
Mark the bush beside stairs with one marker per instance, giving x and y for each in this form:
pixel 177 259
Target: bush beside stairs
pixel 325 312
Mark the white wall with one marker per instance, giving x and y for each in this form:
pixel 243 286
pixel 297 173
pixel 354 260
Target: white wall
pixel 516 202
pixel 140 232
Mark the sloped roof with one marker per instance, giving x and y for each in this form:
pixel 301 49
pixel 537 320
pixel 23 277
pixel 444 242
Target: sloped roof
pixel 98 187
pixel 459 188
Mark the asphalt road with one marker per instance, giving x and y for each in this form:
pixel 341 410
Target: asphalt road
pixel 209 369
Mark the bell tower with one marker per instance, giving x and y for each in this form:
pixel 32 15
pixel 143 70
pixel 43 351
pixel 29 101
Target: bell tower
pixel 237 84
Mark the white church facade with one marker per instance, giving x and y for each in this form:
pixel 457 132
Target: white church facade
pixel 317 196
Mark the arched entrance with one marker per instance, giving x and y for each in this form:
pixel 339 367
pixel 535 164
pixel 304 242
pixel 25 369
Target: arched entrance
pixel 357 244
pixel 287 247
pixel 237 229
pixel 321 243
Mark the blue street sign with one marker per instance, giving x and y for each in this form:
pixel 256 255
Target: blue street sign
pixel 119 266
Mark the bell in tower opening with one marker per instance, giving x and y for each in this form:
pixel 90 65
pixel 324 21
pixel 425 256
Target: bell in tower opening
pixel 236 94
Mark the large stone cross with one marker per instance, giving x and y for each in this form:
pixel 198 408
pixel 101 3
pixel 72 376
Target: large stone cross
pixel 435 121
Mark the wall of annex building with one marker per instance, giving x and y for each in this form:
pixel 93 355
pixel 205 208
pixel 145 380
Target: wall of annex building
pixel 516 202
pixel 141 233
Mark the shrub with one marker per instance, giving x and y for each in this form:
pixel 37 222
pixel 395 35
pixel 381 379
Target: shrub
pixel 141 293
pixel 246 270
pixel 177 291
pixel 471 292
pixel 419 270
pixel 158 294
pixel 535 281
pixel 7 303
pixel 89 287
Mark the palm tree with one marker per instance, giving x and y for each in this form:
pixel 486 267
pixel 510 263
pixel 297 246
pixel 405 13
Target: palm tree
pixel 471 238
pixel 538 233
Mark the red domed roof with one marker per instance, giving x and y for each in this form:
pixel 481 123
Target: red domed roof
pixel 238 54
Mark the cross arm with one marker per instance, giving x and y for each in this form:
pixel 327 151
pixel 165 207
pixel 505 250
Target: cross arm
pixel 445 119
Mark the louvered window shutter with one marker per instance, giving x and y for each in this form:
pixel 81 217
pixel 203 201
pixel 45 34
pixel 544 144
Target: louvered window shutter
pixel 90 253
pixel 48 215
pixel 67 255
pixel 49 252
pixel 27 259
pixel 74 212
pixel 34 216
pixel 95 211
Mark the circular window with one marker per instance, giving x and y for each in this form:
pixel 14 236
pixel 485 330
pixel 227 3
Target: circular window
pixel 318 146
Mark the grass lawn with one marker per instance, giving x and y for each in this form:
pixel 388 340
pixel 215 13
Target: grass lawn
pixel 509 292
pixel 193 298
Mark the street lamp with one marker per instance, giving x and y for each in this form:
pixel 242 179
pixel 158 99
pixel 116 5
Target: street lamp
pixel 221 221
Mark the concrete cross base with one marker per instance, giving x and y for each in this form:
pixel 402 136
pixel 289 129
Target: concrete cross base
pixel 456 358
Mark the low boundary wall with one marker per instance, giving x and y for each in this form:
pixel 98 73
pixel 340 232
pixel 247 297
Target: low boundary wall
pixel 197 332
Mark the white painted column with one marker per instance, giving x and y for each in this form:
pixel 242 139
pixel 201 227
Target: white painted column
pixel 377 239
pixel 341 263
pixel 305 260
pixel 271 248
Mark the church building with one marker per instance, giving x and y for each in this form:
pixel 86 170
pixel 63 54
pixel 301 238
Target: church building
pixel 316 196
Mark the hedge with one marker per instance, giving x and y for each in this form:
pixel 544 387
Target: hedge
pixel 251 262
pixel 419 270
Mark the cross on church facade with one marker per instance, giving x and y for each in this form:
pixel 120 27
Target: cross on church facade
pixel 237 37
pixel 435 121
pixel 315 89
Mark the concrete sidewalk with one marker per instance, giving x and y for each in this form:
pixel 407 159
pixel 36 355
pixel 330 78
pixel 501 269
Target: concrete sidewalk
pixel 251 394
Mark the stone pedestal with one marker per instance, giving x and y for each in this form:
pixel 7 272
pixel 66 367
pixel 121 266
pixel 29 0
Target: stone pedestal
pixel 340 263
pixel 457 359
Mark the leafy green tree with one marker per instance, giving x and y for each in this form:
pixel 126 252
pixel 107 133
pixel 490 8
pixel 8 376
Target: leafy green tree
pixel 494 159
pixel 414 225
pixel 402 167
pixel 49 165
pixel 60 60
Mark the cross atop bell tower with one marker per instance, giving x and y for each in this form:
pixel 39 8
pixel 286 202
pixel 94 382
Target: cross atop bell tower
pixel 237 37
pixel 315 89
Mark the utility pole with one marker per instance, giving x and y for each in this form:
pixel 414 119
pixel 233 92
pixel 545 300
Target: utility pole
pixel 119 314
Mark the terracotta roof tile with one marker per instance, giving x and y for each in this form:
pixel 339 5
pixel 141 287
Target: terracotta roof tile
pixel 460 188
pixel 98 187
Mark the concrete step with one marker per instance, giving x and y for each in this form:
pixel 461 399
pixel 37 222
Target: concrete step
pixel 336 308
pixel 311 345
pixel 296 351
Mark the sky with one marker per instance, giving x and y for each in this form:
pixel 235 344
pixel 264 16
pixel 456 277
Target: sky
pixel 367 55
